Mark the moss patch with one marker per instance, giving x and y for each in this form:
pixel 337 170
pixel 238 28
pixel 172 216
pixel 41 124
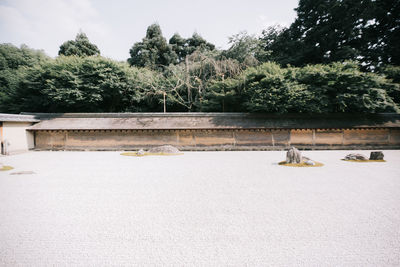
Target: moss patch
pixel 6 168
pixel 135 154
pixel 363 161
pixel 317 164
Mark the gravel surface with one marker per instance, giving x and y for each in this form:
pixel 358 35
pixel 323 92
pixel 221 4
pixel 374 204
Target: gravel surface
pixel 200 208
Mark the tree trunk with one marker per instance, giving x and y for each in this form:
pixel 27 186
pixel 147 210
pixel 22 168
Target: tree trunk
pixel 189 93
pixel 165 106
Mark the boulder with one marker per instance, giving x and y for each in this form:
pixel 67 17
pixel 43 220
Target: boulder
pixel 293 155
pixel 376 155
pixel 167 149
pixel 354 156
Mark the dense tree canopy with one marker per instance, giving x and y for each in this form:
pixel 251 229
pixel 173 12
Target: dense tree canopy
pixel 312 89
pixel 327 31
pixel 89 84
pixel 185 47
pixel 337 56
pixel 13 61
pixel 81 46
pixel 153 52
pixel 244 48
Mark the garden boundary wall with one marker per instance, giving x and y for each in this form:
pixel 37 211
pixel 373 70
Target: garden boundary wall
pixel 214 131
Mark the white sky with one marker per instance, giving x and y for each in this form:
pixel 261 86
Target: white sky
pixel 114 26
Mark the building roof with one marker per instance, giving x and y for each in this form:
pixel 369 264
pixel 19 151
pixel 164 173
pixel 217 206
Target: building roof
pixel 17 118
pixel 174 121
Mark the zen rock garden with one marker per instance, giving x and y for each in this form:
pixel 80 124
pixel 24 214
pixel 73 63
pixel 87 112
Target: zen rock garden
pixel 294 157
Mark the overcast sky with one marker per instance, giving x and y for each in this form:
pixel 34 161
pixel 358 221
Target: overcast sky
pixel 114 26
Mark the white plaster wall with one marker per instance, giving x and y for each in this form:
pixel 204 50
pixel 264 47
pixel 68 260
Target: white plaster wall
pixel 19 138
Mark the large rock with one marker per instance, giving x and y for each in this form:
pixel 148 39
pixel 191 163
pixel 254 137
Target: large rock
pixel 167 149
pixel 376 155
pixel 293 156
pixel 355 156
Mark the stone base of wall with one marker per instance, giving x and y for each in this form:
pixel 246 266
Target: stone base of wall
pixel 238 139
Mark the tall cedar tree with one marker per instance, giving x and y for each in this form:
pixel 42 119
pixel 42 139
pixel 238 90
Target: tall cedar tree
pixel 331 30
pixel 81 47
pixel 153 51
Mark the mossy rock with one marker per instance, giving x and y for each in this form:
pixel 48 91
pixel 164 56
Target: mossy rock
pixel 365 161
pixel 301 164
pixel 135 154
pixel 6 168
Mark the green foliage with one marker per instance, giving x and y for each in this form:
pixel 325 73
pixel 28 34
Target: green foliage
pixel 192 78
pixel 179 46
pixel 191 75
pixel 339 30
pixel 244 48
pixel 267 89
pixel 12 57
pixel 344 88
pixel 81 46
pixel 70 84
pixel 222 96
pixel 185 47
pixel 275 44
pixel 13 61
pixel 381 33
pixel 392 73
pixel 330 88
pixel 153 52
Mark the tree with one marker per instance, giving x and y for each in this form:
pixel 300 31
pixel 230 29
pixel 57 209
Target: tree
pixel 272 45
pixel 333 88
pixel 196 42
pixel 179 46
pixel 13 61
pixel 153 52
pixel 200 69
pixel 81 46
pixel 267 89
pixel 382 33
pixel 324 31
pixel 79 84
pixel 185 47
pixel 244 48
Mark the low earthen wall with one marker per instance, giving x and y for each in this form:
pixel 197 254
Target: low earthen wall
pixel 219 139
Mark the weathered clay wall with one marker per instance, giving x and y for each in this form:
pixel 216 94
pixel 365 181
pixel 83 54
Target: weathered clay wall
pixel 227 139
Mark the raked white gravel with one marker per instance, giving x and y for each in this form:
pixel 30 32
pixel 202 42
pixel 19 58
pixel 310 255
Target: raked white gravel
pixel 199 209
